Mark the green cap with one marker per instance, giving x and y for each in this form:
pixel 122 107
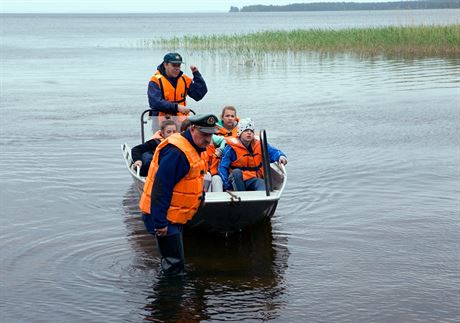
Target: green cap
pixel 173 58
pixel 204 122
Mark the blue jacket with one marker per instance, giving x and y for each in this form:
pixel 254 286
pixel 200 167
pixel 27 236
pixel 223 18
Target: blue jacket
pixel 229 156
pixel 172 167
pixel 196 91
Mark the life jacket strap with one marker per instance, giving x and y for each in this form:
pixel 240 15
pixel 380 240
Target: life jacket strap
pixel 162 88
pixel 255 168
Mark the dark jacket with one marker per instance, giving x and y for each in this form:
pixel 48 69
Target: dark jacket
pixel 148 146
pixel 144 152
pixel 196 91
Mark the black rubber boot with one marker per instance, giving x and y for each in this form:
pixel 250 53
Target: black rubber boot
pixel 172 254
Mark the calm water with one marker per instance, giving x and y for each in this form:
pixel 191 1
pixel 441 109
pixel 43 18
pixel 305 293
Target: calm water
pixel 367 229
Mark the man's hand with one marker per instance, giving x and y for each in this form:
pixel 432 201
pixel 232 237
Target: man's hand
pixel 183 109
pixel 193 68
pixel 283 160
pixel 162 232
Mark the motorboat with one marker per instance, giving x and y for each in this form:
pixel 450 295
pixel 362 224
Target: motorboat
pixel 225 212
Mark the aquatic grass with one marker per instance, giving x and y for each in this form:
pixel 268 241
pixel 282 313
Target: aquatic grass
pixel 424 40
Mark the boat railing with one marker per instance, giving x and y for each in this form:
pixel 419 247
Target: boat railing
pixel 143 123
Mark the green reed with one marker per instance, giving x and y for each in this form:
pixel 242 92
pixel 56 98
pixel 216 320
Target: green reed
pixel 429 40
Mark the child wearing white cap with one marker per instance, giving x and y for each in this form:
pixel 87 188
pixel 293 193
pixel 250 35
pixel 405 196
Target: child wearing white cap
pixel 241 163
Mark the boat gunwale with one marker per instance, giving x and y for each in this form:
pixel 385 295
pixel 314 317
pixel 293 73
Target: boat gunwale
pixel 245 196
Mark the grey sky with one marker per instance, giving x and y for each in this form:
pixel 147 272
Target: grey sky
pixel 141 6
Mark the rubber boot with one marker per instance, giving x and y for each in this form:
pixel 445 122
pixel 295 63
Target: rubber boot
pixel 172 254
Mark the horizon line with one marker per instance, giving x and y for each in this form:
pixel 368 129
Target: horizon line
pixel 180 12
pixel 110 12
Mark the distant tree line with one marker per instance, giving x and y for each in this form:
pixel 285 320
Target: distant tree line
pixel 338 6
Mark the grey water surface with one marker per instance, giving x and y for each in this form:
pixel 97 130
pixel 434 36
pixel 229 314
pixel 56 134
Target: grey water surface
pixel 367 229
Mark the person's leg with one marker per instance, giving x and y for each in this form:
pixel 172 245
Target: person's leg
pixel 255 184
pixel 216 184
pixel 172 250
pixel 207 182
pixel 236 178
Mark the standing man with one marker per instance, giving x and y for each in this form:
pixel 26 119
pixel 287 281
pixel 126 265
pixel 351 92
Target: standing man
pixel 241 163
pixel 169 86
pixel 173 189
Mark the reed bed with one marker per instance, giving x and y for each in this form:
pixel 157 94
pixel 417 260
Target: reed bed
pixel 419 40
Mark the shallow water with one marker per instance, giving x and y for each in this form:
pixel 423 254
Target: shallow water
pixel 367 229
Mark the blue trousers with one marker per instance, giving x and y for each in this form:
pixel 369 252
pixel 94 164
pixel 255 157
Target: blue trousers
pixel 252 184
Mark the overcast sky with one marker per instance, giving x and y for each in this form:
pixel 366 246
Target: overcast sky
pixel 142 6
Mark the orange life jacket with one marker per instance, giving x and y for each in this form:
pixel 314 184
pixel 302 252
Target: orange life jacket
pixel 186 197
pixel 250 164
pixel 170 93
pixel 213 159
pixel 222 131
pixel 227 133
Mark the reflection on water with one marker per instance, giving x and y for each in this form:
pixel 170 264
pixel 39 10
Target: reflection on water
pixel 222 274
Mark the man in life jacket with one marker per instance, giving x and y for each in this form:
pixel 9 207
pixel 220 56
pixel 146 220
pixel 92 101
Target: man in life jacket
pixel 173 189
pixel 241 163
pixel 169 87
pixel 142 154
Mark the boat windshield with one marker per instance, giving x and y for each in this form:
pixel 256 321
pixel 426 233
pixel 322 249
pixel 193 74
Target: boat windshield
pixel 152 124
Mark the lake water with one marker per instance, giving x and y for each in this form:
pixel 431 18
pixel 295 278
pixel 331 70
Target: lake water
pixel 367 228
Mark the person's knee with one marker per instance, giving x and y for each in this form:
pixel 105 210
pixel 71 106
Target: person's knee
pixel 259 185
pixel 217 184
pixel 236 179
pixel 207 182
pixel 255 184
pixel 237 173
